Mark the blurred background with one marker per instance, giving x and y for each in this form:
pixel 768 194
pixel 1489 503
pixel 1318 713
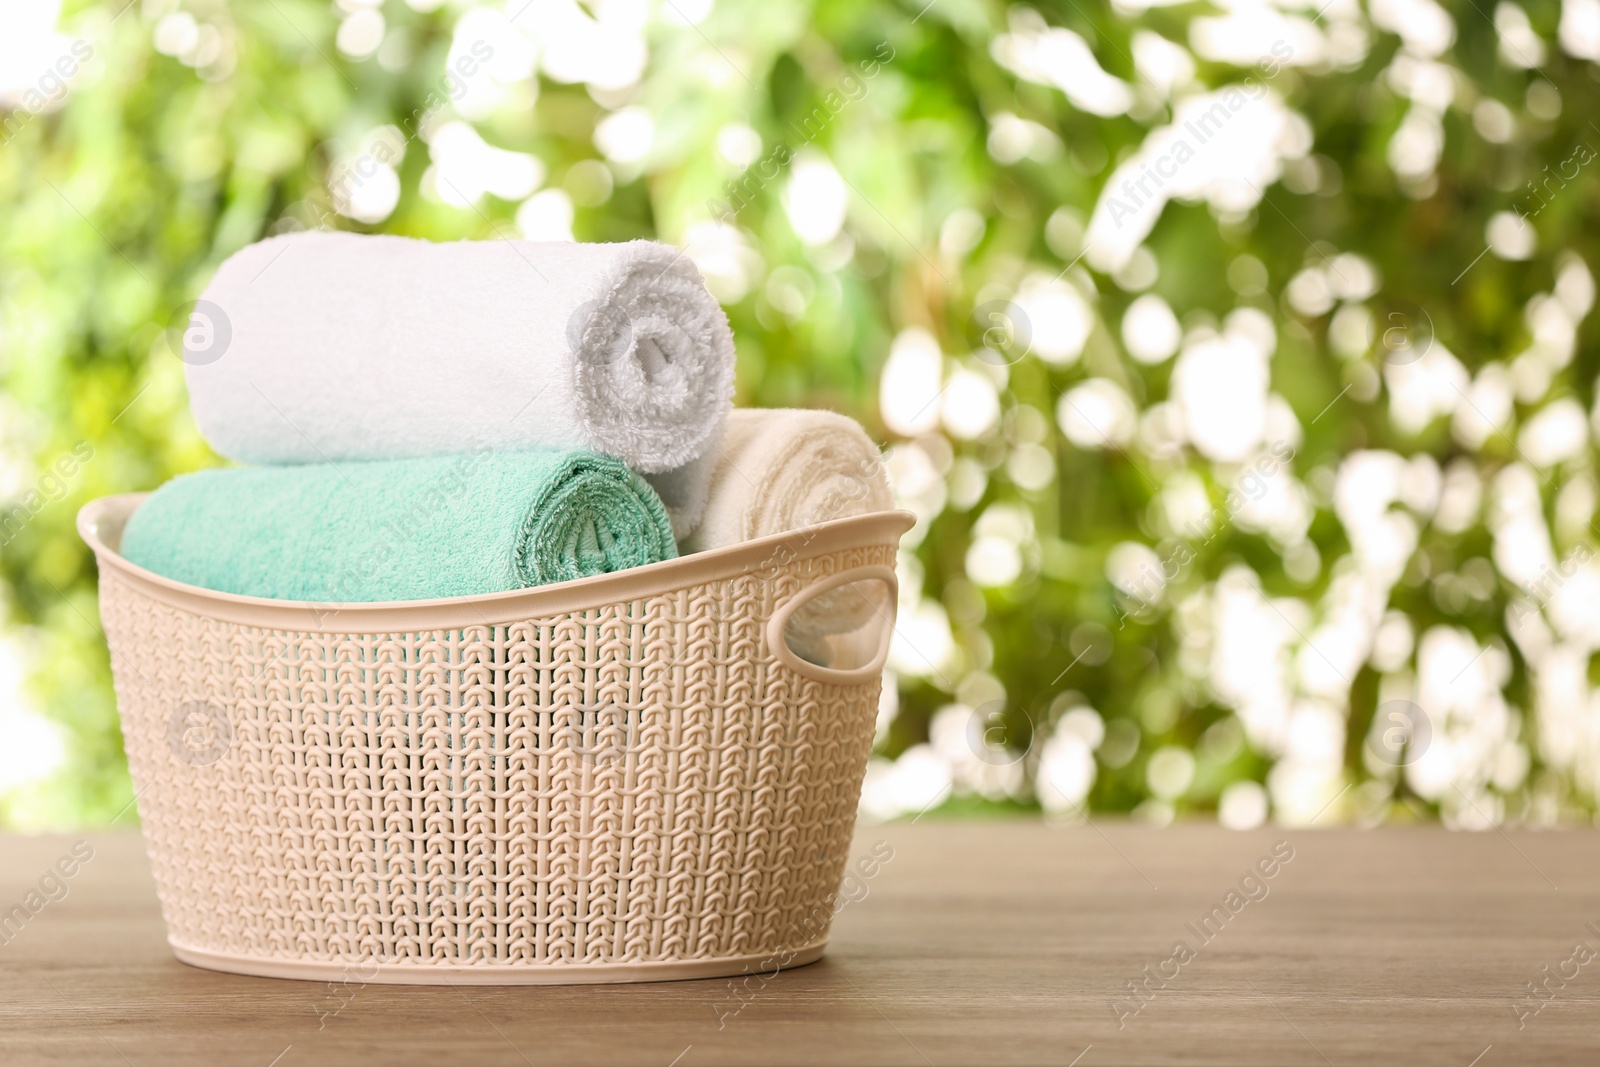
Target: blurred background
pixel 1236 357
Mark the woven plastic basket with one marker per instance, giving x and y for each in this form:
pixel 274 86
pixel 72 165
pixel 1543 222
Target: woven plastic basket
pixel 632 777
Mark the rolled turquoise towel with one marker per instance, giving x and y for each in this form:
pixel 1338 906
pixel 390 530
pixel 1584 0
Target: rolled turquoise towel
pixel 405 529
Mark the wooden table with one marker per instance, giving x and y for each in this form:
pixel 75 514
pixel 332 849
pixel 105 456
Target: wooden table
pixel 978 943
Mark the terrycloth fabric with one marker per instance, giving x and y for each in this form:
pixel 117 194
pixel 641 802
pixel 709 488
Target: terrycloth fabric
pixel 414 529
pixel 684 490
pixel 786 469
pixel 341 346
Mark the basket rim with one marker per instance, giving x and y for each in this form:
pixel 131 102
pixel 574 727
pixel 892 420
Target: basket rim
pixel 100 525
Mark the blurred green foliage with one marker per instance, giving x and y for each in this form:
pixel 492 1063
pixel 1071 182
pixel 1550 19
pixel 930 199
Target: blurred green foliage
pixel 118 205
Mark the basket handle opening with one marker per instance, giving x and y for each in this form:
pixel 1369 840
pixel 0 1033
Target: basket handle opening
pixel 838 630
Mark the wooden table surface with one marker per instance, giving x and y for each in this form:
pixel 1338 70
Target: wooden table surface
pixel 978 943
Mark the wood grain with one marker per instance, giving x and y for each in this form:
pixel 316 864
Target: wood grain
pixel 978 943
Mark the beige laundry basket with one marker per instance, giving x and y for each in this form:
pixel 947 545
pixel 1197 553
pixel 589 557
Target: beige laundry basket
pixel 624 778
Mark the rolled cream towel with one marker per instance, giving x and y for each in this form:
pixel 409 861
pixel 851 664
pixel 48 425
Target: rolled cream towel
pixel 404 529
pixel 324 347
pixel 786 469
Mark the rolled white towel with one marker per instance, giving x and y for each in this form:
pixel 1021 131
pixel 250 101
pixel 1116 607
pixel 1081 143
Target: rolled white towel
pixel 340 346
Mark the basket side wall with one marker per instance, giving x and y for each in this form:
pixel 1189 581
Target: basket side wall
pixel 637 782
